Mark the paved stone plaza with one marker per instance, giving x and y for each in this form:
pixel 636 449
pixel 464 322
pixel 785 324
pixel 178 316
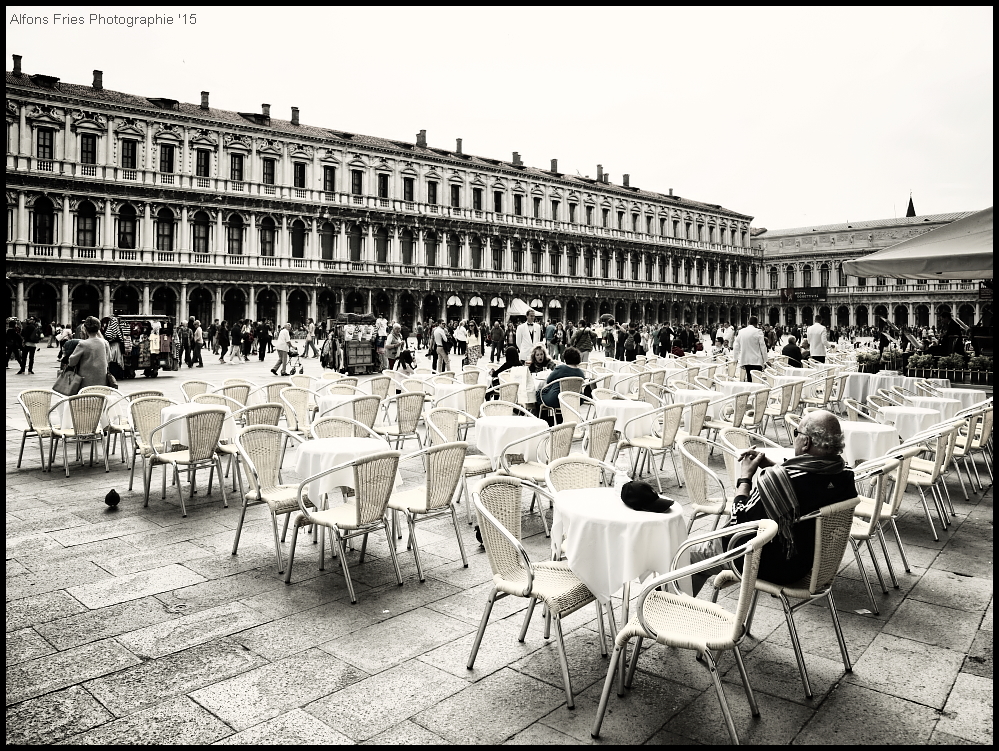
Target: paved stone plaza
pixel 136 625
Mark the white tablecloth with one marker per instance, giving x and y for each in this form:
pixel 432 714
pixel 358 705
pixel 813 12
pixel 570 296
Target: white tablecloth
pixel 492 434
pixel 315 456
pixel 447 395
pixel 335 405
pixel 909 421
pixel 948 407
pixel 623 410
pixel 728 388
pixel 967 397
pixel 178 431
pixel 116 412
pixel 861 385
pixel 609 544
pixel 867 440
pixel 686 396
pixel 777 455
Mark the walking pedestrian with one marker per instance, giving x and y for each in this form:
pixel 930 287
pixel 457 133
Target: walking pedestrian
pixel 222 340
pixel 31 334
pixel 474 350
pixel 496 341
pixel 282 346
pixel 212 333
pixel 198 345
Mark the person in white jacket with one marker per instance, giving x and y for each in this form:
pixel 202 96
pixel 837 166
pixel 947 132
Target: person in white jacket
pixel 750 348
pixel 818 339
pixel 529 336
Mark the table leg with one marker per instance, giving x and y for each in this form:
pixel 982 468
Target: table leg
pixel 625 603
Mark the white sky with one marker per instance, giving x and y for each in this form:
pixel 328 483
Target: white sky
pixel 796 117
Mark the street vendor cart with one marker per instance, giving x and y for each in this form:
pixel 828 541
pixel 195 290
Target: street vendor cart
pixel 150 345
pixel 349 345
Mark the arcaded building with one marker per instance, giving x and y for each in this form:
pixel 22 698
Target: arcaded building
pixel 129 203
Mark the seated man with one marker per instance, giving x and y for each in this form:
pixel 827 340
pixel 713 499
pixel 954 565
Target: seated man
pixel 548 394
pixel 792 352
pixel 815 477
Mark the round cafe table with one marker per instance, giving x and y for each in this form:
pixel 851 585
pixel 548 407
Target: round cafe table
pixel 449 395
pixel 686 396
pixel 623 410
pixel 336 405
pixel 728 388
pixel 116 411
pixel 967 397
pixel 322 453
pixel 493 434
pixel 867 440
pixel 908 421
pixel 948 407
pixel 177 432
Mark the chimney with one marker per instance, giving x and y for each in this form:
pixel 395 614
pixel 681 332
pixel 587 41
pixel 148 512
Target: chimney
pixel 554 165
pixel 458 148
pixel 17 65
pixel 204 100
pixel 670 192
pixel 98 79
pixel 266 110
pixel 606 178
pixel 421 139
pixel 294 115
pixel 600 173
pixel 627 180
pixel 516 159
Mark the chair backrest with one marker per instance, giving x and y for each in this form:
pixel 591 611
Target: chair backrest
pixel 347 381
pixel 507 392
pixel 331 375
pixel 380 386
pixel 855 410
pixel 302 381
pixel 879 474
pixel 238 392
pixel 190 389
pixel 735 440
pixel 415 385
pixel 571 405
pixel 599 437
pixel 470 377
pixel 366 409
pixel 409 406
pixel 342 389
pixel 104 390
pixel 796 388
pixel 876 401
pixel 296 400
pixel 698 412
pixel 832 534
pixel 733 408
pixel 274 388
pixel 444 468
pixel 475 395
pixel 926 388
pixel 500 408
pixel 696 473
pixel 147 413
pixel 560 440
pixel 443 379
pixel 238 382
pixel 261 448
pixel 904 456
pixel 36 404
pixel 86 410
pixel 144 393
pixel 374 480
pixel 986 429
pixel 577 472
pixel 203 430
pixel 217 400
pixel 268 413
pixel 499 499
pixel 602 394
pixel 442 425
pixel 340 427
pixel 757 408
pixel 633 384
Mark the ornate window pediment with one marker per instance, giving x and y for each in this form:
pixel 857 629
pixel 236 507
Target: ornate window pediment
pixel 433 174
pixel 167 131
pixel 236 141
pixel 91 121
pixel 205 137
pixel 43 113
pixel 329 156
pixel 477 180
pixel 130 126
pixel 537 190
pixel 357 162
pixel 302 149
pixel 409 170
pixel 268 146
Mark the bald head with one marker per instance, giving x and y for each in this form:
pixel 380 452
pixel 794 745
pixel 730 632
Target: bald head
pixel 820 434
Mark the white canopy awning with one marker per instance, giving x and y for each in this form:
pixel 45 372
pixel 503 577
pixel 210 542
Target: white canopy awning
pixel 554 304
pixel 519 308
pixel 536 303
pixel 453 300
pixel 497 302
pixel 959 250
pixel 475 301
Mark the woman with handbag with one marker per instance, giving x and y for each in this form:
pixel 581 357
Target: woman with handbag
pixel 91 356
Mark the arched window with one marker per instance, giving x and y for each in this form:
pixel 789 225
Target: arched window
pixel 326 235
pixel 86 225
pixel 789 276
pixel 381 245
pixel 806 276
pixel 453 250
pixel 164 230
pixel 199 232
pixel 431 247
pixel 773 277
pixel 126 227
pixel 268 231
pixel 44 222
pixel 234 235
pixel 824 275
pixel 406 245
pixel 475 245
pixel 752 274
pixel 354 243
pixel 298 239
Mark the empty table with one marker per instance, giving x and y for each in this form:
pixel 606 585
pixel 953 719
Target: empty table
pixel 623 410
pixel 948 407
pixel 177 432
pixel 116 411
pixel 867 440
pixel 336 405
pixel 967 397
pixel 493 434
pixel 323 453
pixel 908 421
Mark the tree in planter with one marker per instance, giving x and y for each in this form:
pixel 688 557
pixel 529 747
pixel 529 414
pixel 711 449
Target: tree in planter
pixel 981 369
pixel 952 367
pixel 919 364
pixel 868 362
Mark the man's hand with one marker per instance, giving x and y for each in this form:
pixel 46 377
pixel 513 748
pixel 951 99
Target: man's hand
pixel 750 461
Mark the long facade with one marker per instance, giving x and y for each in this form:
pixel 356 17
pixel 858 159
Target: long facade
pixel 120 203
pixel 803 277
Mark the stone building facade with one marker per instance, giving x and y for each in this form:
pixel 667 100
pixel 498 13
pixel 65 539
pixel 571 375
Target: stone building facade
pixel 131 204
pixel 808 262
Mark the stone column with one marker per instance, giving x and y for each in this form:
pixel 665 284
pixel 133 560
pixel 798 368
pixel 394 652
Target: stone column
pixel 107 306
pixel 66 230
pixel 283 308
pixel 22 219
pixel 393 307
pixel 313 304
pixel 340 251
pixel 107 233
pixel 147 308
pixel 251 237
pixel 251 303
pixel 147 228
pixel 183 244
pixel 147 161
pixel 219 234
pixel 69 145
pixel 65 307
pixel 21 303
pixel 23 138
pixel 312 243
pixel 218 303
pixel 283 241
pixel 183 309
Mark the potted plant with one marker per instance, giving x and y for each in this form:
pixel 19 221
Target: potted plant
pixel 891 360
pixel 952 367
pixel 868 362
pixel 920 366
pixel 981 369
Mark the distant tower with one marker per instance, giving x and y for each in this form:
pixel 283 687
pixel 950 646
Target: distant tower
pixel 911 211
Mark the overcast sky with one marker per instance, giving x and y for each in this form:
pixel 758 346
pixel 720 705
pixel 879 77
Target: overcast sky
pixel 795 117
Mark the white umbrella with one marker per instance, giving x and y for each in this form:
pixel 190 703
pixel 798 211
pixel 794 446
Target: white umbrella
pixel 959 250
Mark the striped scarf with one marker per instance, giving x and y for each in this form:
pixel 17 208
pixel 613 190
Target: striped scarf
pixel 777 493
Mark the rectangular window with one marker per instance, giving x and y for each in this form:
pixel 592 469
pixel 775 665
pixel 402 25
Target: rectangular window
pixel 329 179
pixel 203 163
pixel 234 237
pixel 573 264
pixel 604 217
pixel 662 271
pixel 518 205
pixel 408 187
pixel 634 222
pixel 164 236
pixel 432 193
pixel 86 231
pixel 605 266
pixel 535 262
pixel 88 148
pixel 199 236
pixel 648 225
pixel 676 228
pixel 589 216
pixel 126 233
pixel 477 199
pixel 236 167
pixel 456 196
pixel 356 182
pixel 662 228
pixel 537 208
pixel 518 261
pixel 572 213
pixel 555 263
pixel 648 269
pixel 267 240
pixel 497 258
pixel 268 171
pixel 383 186
pixel 129 149
pixel 498 201
pixel 299 174
pixel 166 158
pixel 588 264
pixel 634 269
pixel 46 137
pixel 861 281
pixel 620 267
pixel 620 220
pixel 554 211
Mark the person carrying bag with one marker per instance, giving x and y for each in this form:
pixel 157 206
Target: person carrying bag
pixel 68 382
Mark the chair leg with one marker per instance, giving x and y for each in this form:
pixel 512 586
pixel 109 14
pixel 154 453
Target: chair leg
pixel 601 629
pixel 629 677
pixel 929 519
pixel 239 527
pixel 392 553
pixel 527 620
pixel 24 438
pixel 482 628
pixel 901 550
pixel 799 656
pixel 745 682
pixel 461 543
pixel 411 521
pixel 291 554
pixel 180 493
pixel 343 563
pixel 277 542
pixel 720 690
pixel 877 566
pixel 218 463
pixel 839 631
pixel 563 663
pixel 957 469
pixel 605 694
pixel 884 549
pixel 867 580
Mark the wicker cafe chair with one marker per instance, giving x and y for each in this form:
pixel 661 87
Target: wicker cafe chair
pixel 143 394
pixel 435 499
pixel 409 408
pixel 568 384
pixel 380 386
pixel 734 441
pixel 255 414
pixel 296 401
pixel 218 400
pixel 730 410
pixel 598 436
pixel 36 404
pixel 973 419
pixel 333 426
pixel 470 377
pixel 893 504
pixel 260 449
pixel 191 389
pixel 442 427
pixel 674 619
pixel 832 533
pixel 864 528
pixel 86 411
pixel 203 430
pixel 374 478
pixel 113 427
pixel 928 475
pixel 505 392
pixel 700 480
pixel 577 406
pixel 577 472
pixel 665 428
pixel 856 411
pixel 364 409
pixel 146 416
pixel 502 408
pixel 552 582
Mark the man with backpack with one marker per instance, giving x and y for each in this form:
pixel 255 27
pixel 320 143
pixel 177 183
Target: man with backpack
pixel 31 334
